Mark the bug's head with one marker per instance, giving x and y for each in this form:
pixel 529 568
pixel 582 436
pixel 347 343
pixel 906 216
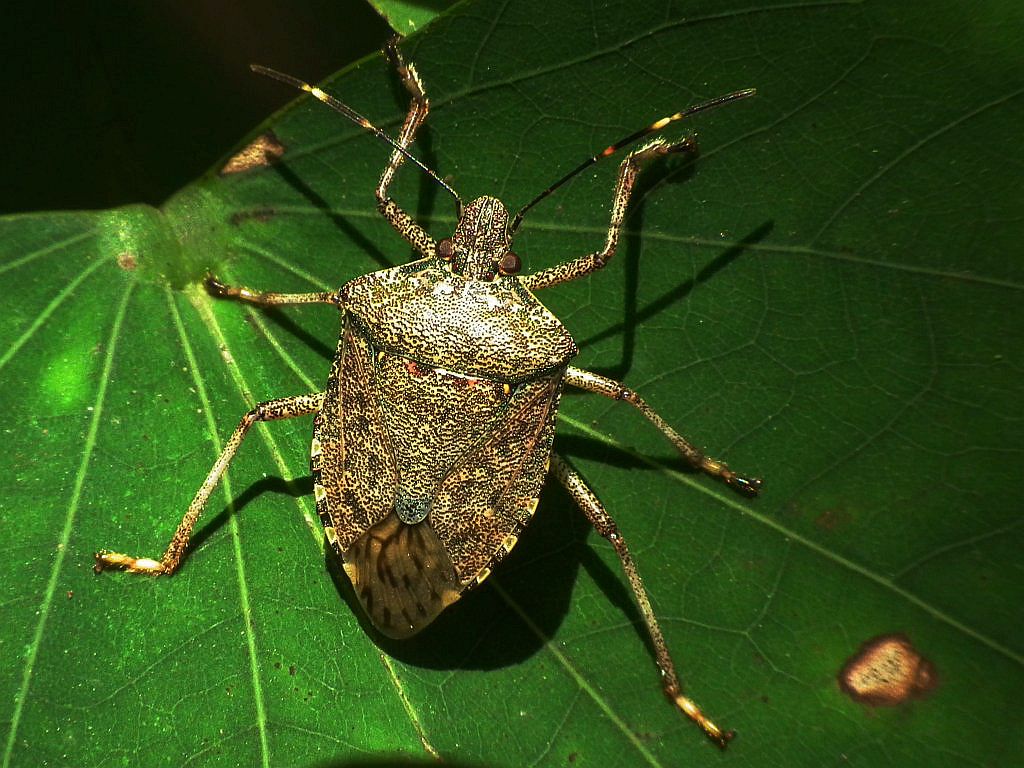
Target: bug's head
pixel 480 249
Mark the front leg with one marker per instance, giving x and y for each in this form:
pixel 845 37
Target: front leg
pixel 628 172
pixel 419 107
pixel 267 298
pixel 602 385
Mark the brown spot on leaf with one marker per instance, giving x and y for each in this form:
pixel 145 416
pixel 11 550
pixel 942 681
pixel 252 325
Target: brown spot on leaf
pixel 833 519
pixel 264 150
pixel 126 260
pixel 887 671
pixel 256 214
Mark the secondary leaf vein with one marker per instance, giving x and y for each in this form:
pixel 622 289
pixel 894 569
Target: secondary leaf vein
pixel 243 588
pixel 76 496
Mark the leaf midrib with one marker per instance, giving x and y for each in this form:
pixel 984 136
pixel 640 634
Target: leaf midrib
pixel 722 244
pixel 203 305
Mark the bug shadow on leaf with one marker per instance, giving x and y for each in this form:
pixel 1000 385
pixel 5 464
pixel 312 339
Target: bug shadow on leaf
pixel 514 613
pixel 354 235
pixel 517 610
pixel 287 324
pixel 629 250
pixel 632 316
pixel 521 606
pixel 610 579
pixel 302 486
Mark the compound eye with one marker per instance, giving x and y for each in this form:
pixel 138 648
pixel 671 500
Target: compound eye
pixel 509 264
pixel 446 249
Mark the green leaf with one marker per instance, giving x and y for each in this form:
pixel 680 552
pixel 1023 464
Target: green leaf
pixel 829 297
pixel 408 16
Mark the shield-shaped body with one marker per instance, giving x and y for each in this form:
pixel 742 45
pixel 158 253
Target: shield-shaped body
pixel 435 434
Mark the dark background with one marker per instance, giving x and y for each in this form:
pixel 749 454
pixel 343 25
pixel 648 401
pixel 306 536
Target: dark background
pixel 124 102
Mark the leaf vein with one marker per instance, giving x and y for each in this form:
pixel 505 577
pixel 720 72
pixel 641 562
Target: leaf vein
pixel 910 150
pixel 69 519
pixel 815 547
pixel 48 310
pixel 261 717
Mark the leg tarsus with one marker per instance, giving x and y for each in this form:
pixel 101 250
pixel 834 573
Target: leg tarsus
pixel 748 486
pixel 686 146
pixel 105 559
pixel 689 708
pixel 215 287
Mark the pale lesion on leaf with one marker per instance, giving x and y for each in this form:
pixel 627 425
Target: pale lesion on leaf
pixel 887 671
pixel 265 150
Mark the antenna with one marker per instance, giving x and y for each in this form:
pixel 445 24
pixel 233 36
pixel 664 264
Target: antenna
pixel 355 117
pixel 613 148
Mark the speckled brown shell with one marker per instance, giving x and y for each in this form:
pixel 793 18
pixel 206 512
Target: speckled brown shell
pixel 435 435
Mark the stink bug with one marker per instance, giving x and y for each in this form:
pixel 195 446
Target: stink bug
pixel 433 435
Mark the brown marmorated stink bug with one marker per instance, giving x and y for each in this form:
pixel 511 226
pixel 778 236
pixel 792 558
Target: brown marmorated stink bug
pixel 433 436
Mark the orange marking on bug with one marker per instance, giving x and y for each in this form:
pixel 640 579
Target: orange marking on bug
pixel 608 151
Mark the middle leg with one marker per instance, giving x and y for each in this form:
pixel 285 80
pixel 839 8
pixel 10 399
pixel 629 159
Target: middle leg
pixel 602 385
